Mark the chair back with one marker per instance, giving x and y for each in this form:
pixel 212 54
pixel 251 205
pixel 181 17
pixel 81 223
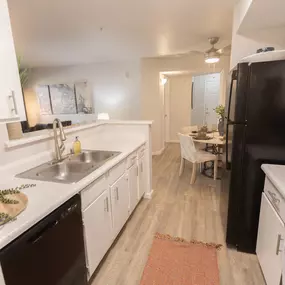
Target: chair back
pixel 187 146
pixel 188 129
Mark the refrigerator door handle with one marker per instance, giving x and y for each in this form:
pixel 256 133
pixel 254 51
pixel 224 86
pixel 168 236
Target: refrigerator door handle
pixel 228 165
pixel 234 77
pixel 230 99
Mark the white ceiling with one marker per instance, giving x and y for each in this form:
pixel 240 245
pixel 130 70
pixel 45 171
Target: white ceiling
pixel 64 32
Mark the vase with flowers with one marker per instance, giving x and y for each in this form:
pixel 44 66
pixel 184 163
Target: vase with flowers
pixel 220 111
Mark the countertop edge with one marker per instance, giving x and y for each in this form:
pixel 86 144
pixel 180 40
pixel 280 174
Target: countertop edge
pixel 24 141
pixel 92 177
pixel 275 178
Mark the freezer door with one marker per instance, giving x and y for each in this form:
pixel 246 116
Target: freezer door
pixel 266 104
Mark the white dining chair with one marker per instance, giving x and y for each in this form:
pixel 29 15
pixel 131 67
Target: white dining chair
pixel 189 152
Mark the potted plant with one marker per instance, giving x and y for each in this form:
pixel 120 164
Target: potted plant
pixel 23 72
pixel 220 111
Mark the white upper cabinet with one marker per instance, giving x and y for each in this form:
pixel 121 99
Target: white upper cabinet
pixel 11 97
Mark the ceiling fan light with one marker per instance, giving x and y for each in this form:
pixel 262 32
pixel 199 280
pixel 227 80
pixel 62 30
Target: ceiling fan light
pixel 212 59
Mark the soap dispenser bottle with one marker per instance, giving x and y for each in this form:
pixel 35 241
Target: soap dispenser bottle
pixel 76 146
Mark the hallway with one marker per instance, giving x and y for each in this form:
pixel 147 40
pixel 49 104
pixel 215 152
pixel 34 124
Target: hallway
pixel 179 209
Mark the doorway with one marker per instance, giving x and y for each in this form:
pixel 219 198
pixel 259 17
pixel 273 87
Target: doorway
pixel 189 100
pixel 205 98
pixel 177 105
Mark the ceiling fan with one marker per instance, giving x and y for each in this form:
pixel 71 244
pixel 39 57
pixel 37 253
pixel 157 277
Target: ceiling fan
pixel 213 54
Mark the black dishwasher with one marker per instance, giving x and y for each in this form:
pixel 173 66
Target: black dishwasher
pixel 51 252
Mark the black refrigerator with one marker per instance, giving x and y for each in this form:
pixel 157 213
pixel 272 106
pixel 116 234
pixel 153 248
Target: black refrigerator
pixel 255 134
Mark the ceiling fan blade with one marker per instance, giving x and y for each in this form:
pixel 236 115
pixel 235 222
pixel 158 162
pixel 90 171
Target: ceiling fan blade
pixel 197 52
pixel 182 54
pixel 225 50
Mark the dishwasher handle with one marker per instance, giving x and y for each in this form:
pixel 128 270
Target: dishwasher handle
pixel 38 236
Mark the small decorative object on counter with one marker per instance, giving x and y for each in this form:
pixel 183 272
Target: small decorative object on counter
pixel 220 110
pixel 202 132
pixel 76 146
pixel 12 202
pixel 14 130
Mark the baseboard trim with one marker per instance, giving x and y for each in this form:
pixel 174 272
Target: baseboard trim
pixel 159 152
pixel 148 195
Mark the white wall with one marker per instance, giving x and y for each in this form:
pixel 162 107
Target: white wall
pixel 180 103
pixel 115 85
pixel 241 45
pixel 151 96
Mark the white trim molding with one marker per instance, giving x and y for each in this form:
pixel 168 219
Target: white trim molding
pixel 159 152
pixel 148 195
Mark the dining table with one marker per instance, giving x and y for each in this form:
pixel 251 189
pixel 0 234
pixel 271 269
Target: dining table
pixel 214 143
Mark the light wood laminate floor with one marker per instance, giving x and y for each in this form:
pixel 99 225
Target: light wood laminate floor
pixel 177 208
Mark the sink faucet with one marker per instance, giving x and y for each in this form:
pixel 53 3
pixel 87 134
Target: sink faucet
pixel 59 149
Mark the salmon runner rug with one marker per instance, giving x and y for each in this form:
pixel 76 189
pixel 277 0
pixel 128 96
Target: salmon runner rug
pixel 175 261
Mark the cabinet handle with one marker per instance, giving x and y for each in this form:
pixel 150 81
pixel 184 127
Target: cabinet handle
pixel 107 204
pixel 117 192
pixel 141 167
pixel 275 200
pixel 137 171
pixel 279 239
pixel 273 195
pixel 12 96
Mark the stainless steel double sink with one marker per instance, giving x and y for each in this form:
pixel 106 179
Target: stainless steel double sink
pixel 71 169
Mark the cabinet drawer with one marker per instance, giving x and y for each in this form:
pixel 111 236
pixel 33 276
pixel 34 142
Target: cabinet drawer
pixel 116 172
pixel 141 150
pixel 275 198
pixel 131 160
pixel 94 190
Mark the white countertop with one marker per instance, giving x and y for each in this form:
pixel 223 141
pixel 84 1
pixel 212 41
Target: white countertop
pixel 47 196
pixel 276 174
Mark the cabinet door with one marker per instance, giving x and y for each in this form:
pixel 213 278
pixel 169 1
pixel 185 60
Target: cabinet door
pixel 142 177
pixel 11 97
pixel 270 242
pixel 120 203
pixel 98 230
pixel 133 186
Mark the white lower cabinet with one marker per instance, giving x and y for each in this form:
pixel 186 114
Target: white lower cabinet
pixel 97 221
pixel 270 242
pixel 120 203
pixel 142 176
pixel 133 187
pixel 107 204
